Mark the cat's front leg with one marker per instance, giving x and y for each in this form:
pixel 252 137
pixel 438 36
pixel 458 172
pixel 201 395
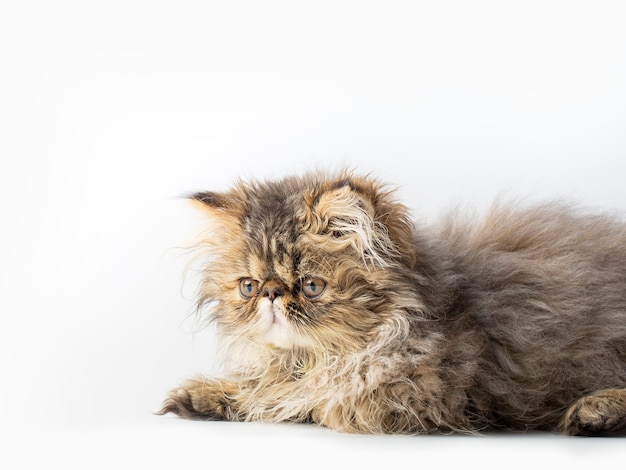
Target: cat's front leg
pixel 204 399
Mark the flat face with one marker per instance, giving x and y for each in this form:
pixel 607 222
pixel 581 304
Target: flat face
pixel 293 263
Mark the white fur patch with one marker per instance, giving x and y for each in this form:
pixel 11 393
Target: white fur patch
pixel 275 328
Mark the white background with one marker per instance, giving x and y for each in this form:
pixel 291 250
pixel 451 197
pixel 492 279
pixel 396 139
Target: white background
pixel 111 111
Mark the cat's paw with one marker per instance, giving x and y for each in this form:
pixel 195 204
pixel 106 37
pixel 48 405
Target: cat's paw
pixel 600 414
pixel 198 399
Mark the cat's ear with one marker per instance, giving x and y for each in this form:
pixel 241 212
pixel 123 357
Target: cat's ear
pixel 223 206
pixel 360 213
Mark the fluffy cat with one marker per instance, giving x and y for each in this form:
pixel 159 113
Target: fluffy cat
pixel 334 308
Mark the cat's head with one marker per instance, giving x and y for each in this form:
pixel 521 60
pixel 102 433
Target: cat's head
pixel 305 262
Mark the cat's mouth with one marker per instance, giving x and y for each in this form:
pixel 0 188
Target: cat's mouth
pixel 274 325
pixel 278 317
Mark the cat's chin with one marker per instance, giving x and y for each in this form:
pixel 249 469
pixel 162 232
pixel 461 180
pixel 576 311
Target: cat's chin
pixel 279 338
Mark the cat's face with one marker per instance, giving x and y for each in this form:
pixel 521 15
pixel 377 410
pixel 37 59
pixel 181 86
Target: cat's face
pixel 304 262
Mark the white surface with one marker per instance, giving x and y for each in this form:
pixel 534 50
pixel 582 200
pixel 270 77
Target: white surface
pixel 110 111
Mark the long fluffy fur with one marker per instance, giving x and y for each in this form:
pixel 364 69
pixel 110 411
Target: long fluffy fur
pixel 516 320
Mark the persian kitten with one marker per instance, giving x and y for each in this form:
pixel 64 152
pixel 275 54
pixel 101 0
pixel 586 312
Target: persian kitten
pixel 332 307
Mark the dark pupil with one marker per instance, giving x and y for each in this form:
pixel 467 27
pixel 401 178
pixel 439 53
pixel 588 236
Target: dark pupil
pixel 249 287
pixel 312 286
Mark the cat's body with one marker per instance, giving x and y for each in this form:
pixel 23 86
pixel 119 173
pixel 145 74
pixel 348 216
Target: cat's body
pixel 334 308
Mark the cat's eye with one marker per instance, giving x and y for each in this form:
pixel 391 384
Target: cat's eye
pixel 312 287
pixel 248 288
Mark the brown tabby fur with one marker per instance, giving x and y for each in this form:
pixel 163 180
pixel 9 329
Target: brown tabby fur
pixel 513 321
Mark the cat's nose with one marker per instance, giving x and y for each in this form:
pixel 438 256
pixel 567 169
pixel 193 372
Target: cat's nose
pixel 271 292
